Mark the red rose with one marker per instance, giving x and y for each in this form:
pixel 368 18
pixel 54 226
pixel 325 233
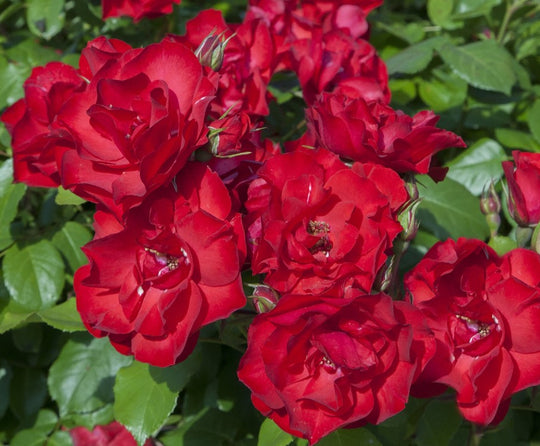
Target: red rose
pixel 247 63
pixel 483 310
pixel 315 364
pixel 296 20
pixel 239 171
pixel 137 9
pixel 173 268
pixel 524 187
pixel 32 122
pixel 350 64
pixel 370 131
pixel 112 434
pixel 315 222
pixel 100 52
pixel 139 120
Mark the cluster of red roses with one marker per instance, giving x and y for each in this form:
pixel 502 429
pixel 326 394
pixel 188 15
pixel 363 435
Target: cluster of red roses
pixel 165 140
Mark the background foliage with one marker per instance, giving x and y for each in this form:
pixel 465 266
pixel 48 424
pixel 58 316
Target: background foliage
pixel 474 62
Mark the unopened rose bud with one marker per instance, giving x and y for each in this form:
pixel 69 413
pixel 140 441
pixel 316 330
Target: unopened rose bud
pixel 264 298
pixel 407 219
pixel 412 188
pixel 490 202
pixel 490 205
pixel 210 51
pixel 535 240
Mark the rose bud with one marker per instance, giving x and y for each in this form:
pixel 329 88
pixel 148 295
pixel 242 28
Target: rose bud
pixel 264 298
pixel 524 187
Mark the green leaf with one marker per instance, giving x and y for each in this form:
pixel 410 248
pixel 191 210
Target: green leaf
pixel 502 244
pixel 103 415
pixel 12 77
pixel 208 427
pixel 533 120
pixel 514 139
pixel 483 64
pixel 403 90
pixel 440 13
pixel 82 377
pixel 415 57
pixel 69 240
pixel 448 209
pixel 60 438
pixel 37 434
pixel 350 437
pixel 10 320
pixel 528 41
pixel 30 54
pixel 66 197
pixel 63 317
pixel 482 117
pixel 439 423
pixel 28 393
pixel 10 196
pixel 465 9
pixel 6 175
pixel 442 91
pixel 271 434
pixel 478 165
pixel 34 275
pixel 409 32
pixel 143 413
pixel 45 17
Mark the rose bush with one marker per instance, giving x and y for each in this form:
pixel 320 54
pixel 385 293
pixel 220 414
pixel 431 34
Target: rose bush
pixel 255 150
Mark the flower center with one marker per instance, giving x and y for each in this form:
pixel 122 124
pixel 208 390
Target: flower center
pixel 167 262
pixel 327 364
pixel 476 334
pixel 321 230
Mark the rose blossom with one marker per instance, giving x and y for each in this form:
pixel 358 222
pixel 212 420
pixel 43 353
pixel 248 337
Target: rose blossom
pixel 524 187
pixel 247 64
pixel 348 64
pixel 370 131
pixel 315 364
pixel 296 20
pixel 112 434
pixel 137 9
pixel 32 122
pixel 483 310
pixel 137 123
pixel 172 268
pixel 314 222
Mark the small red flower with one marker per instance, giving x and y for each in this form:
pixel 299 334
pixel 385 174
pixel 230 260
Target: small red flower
pixel 483 310
pixel 112 434
pixel 137 9
pixel 315 222
pixel 315 364
pixel 524 187
pixel 37 136
pixel 136 124
pixel 370 131
pixel 173 267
